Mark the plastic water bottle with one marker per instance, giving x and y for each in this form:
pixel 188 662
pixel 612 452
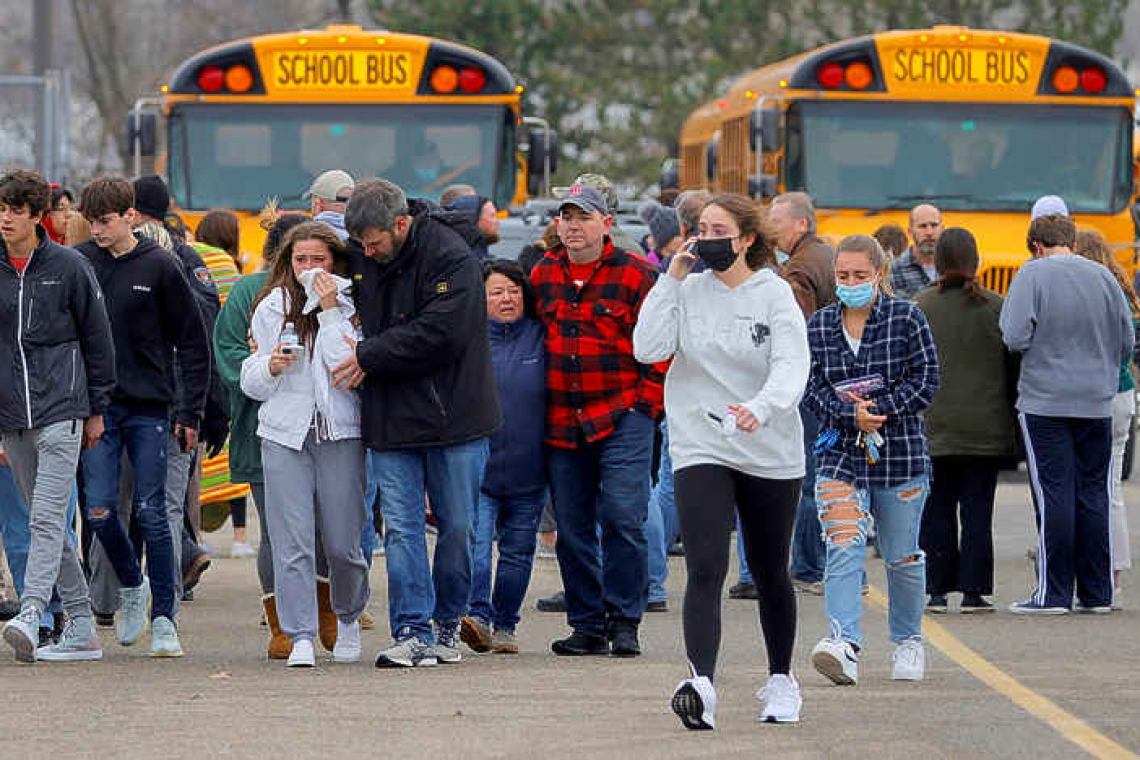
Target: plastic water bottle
pixel 291 342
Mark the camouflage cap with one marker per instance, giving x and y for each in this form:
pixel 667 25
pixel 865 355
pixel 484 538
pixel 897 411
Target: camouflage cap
pixel 597 181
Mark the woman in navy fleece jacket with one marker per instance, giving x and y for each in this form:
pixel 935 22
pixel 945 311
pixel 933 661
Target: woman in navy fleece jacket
pixel 514 483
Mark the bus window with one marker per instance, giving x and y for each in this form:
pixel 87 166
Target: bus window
pixel 962 156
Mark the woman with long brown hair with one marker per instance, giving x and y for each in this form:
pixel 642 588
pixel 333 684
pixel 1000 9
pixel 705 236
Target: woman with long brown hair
pixel 310 439
pixel 1092 245
pixel 971 427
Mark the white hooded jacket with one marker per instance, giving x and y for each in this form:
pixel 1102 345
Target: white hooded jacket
pixel 290 399
pixel 741 346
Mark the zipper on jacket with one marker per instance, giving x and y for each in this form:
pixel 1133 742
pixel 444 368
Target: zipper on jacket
pixel 435 397
pixel 20 341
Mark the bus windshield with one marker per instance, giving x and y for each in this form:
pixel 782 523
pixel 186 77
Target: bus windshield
pixel 237 156
pixel 959 156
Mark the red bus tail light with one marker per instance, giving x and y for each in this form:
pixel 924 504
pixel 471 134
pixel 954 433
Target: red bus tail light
pixel 472 80
pixel 830 75
pixel 211 78
pixel 1093 80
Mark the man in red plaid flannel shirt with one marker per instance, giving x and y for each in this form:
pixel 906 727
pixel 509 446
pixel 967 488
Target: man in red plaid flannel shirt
pixel 599 426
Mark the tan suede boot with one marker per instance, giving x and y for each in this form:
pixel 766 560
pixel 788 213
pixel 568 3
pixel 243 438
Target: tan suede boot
pixel 279 644
pixel 326 618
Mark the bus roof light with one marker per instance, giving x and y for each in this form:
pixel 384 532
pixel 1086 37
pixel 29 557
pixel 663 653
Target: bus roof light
pixel 444 79
pixel 1066 79
pixel 239 78
pixel 858 76
pixel 830 75
pixel 1093 80
pixel 472 80
pixel 211 78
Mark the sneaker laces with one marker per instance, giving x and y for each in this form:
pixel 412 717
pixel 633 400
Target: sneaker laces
pixel 447 634
pixel 29 615
pixel 779 686
pixel 908 650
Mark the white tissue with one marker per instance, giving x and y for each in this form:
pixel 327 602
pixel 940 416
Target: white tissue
pixel 312 300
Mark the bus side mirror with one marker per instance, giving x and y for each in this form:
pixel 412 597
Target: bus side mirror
pixel 763 186
pixel 670 175
pixel 143 128
pixel 765 132
pixel 541 151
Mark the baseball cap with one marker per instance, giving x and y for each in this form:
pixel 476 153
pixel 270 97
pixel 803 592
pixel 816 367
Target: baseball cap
pixel 326 185
pixel 596 181
pixel 1047 205
pixel 584 197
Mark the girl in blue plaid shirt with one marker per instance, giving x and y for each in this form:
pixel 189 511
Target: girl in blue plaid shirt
pixel 874 370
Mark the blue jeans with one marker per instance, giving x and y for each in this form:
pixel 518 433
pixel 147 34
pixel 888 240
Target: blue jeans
pixel 450 476
pixel 745 572
pixel 14 528
pixel 844 511
pixel 808 553
pixel 145 440
pixel 661 525
pixel 514 520
pixel 604 483
pixel 371 488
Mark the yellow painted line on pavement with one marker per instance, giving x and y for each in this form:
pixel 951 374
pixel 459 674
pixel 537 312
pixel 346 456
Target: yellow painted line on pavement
pixel 1063 722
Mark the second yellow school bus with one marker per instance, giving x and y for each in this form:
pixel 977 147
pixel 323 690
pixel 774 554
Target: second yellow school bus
pixel 979 123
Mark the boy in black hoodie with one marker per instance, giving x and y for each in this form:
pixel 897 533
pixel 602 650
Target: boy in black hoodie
pixel 152 311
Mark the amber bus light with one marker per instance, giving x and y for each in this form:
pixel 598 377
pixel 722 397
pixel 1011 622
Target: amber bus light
pixel 239 78
pixel 858 76
pixel 444 79
pixel 1066 79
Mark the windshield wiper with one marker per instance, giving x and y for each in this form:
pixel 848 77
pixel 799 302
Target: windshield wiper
pixel 904 201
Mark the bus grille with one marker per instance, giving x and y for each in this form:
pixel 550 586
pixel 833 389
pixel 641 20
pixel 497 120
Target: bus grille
pixel 734 153
pixel 693 167
pixel 998 279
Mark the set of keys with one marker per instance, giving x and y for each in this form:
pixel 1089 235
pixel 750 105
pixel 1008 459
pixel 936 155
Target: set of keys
pixel 871 443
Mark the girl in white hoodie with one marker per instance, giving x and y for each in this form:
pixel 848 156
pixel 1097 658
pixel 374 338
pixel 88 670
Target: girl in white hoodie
pixel 310 440
pixel 740 362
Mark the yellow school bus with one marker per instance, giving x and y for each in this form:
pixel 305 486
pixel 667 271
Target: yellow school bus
pixel 263 116
pixel 979 123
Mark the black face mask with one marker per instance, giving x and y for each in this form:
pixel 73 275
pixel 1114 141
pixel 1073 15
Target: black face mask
pixel 716 252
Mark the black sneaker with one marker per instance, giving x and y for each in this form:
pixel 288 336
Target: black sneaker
pixel 9 609
pixel 553 603
pixel 937 604
pixel 676 550
pixel 973 603
pixel 661 606
pixel 744 591
pixel 623 639
pixel 193 566
pixel 580 645
pixel 188 595
pixel 46 637
pixel 104 619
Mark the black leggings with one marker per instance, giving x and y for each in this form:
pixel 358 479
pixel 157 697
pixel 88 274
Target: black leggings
pixel 708 497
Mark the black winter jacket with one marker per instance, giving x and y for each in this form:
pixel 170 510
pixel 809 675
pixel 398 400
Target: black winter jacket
pixel 57 358
pixel 153 310
pixel 425 350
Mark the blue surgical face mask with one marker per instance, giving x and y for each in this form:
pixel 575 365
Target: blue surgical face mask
pixel 781 257
pixel 856 296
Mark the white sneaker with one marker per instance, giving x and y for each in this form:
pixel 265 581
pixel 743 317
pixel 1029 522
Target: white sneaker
pixel 242 549
pixel 909 660
pixel 78 642
pixel 836 659
pixel 164 638
pixel 694 702
pixel 23 633
pixel 302 654
pixel 781 698
pixel 347 647
pixel 134 608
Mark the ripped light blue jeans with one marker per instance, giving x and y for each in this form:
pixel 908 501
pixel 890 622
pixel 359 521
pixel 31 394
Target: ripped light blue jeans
pixel 843 513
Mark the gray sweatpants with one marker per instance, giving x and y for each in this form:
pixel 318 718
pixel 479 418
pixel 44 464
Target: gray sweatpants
pixel 104 581
pixel 320 485
pixel 44 462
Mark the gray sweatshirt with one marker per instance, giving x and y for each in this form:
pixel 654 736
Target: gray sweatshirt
pixel 1069 319
pixel 743 346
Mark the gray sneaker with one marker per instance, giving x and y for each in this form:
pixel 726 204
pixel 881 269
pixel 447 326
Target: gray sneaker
pixel 447 642
pixel 164 638
pixel 23 633
pixel 504 642
pixel 78 642
pixel 132 620
pixel 407 653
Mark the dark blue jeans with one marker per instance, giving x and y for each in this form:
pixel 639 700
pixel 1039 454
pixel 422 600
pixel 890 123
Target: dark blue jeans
pixel 604 484
pixel 514 520
pixel 419 592
pixel 144 439
pixel 808 552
